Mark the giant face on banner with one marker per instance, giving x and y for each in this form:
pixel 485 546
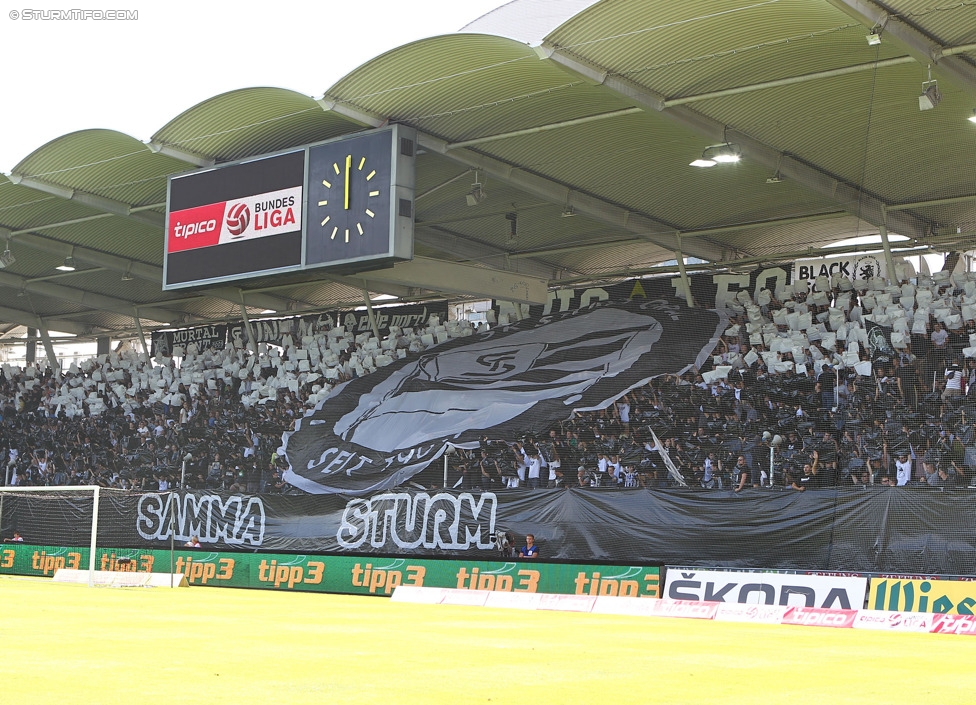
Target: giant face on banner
pixel 378 431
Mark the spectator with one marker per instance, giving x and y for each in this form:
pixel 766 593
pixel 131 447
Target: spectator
pixel 529 550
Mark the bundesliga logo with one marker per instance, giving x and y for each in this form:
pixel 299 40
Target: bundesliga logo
pixel 238 219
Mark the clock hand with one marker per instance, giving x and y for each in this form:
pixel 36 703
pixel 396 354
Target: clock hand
pixel 348 166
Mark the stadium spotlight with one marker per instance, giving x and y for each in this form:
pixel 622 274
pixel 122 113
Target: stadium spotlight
pixel 930 96
pixel 874 39
pixel 68 265
pixel 718 154
pixel 7 258
pixel 512 219
pixel 477 193
pixel 726 154
pixel 972 118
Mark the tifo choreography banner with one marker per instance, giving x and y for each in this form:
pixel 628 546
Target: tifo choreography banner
pixel 837 530
pixel 204 337
pixel 378 431
pixel 273 330
pixel 708 291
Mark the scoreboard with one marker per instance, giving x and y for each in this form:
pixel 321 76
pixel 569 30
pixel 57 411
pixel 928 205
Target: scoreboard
pixel 345 204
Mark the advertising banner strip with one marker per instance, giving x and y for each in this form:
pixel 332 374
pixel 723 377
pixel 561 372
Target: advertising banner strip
pixel 895 621
pixel 754 588
pixel 236 220
pixel 360 575
pixel 955 624
pixel 820 617
pixel 757 614
pixel 942 596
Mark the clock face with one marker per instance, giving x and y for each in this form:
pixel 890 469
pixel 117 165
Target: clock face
pixel 349 199
pixel 351 187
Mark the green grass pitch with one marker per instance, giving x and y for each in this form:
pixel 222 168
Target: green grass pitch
pixel 73 644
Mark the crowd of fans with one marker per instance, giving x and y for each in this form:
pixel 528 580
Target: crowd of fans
pixel 852 384
pixel 846 383
pixel 210 419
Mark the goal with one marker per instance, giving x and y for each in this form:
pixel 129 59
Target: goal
pixel 47 528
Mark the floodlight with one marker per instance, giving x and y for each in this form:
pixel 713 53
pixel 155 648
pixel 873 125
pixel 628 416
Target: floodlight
pixel 874 39
pixel 972 118
pixel 512 219
pixel 726 154
pixel 477 193
pixel 7 258
pixel 568 212
pixel 68 266
pixel 930 96
pixel 718 154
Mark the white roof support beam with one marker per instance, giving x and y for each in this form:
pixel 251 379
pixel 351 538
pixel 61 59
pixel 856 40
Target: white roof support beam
pixel 356 115
pixel 31 320
pixel 352 282
pixel 49 349
pixel 254 299
pixel 59 248
pixel 789 81
pixel 91 200
pixel 911 39
pixel 544 128
pixel 183 155
pixel 466 249
pixel 86 298
pixel 466 279
pixel 660 234
pixel 139 270
pixel 848 196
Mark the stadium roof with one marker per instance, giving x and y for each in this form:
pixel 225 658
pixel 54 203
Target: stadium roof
pixel 561 108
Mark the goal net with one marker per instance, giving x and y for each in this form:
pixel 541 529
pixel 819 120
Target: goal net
pixel 37 524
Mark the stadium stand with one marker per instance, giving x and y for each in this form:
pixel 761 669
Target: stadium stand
pixel 842 384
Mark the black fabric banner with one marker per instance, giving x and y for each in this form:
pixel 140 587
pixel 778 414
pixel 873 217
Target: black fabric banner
pixel 879 342
pixel 708 290
pixel 403 316
pixel 205 338
pixel 378 431
pixel 878 530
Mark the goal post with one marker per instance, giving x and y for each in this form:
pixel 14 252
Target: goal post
pixel 54 516
pixel 80 534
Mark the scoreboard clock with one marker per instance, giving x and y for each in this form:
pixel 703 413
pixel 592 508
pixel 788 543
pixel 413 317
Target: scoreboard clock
pixel 359 212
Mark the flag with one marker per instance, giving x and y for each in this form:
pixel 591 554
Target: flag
pixel 659 447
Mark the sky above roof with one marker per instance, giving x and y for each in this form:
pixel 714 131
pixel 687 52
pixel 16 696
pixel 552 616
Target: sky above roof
pixel 69 72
